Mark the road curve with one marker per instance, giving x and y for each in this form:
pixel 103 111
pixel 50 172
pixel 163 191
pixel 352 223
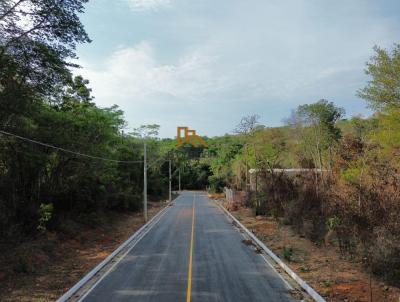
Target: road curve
pixel 192 254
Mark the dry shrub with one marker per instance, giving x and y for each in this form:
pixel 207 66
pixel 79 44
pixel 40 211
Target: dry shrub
pixel 384 254
pixel 296 201
pixel 366 221
pixel 230 206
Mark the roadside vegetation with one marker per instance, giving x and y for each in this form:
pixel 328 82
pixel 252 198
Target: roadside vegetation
pixel 89 162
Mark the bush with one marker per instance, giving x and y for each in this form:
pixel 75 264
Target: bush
pixel 217 184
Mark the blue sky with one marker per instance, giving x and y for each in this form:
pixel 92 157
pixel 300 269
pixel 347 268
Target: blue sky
pixel 205 64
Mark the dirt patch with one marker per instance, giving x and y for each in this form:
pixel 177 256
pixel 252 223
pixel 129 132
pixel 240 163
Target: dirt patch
pixel 216 196
pixel 43 269
pixel 334 277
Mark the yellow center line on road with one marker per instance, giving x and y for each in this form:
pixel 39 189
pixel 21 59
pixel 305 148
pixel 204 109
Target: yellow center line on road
pixel 189 286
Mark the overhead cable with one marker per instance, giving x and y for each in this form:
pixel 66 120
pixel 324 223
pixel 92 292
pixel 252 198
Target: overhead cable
pixel 69 151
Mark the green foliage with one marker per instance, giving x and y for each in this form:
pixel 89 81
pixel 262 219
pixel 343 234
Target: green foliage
pixel 388 133
pixel 269 148
pixel 45 213
pixel 216 184
pixel 76 184
pixel 34 54
pixel 351 175
pixel 316 125
pixel 332 222
pixel 221 155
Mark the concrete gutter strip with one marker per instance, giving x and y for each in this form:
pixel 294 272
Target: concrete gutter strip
pixel 309 290
pixel 102 264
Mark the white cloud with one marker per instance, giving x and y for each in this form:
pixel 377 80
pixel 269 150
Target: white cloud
pixel 151 92
pixel 198 85
pixel 134 74
pixel 215 61
pixel 142 5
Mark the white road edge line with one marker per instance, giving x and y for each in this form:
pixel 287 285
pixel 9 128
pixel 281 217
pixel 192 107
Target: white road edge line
pixel 120 258
pixel 73 290
pixel 309 290
pixel 287 284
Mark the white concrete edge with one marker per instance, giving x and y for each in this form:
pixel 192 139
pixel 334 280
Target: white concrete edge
pixel 308 289
pixel 95 270
pixel 287 284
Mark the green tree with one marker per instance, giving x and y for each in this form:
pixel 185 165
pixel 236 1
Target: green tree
pixel 383 94
pixel 318 128
pixel 221 156
pixel 383 90
pixel 271 147
pixel 36 40
pixel 247 128
pixel 147 131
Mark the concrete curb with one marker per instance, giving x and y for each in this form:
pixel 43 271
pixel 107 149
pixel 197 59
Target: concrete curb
pixel 73 290
pixel 308 289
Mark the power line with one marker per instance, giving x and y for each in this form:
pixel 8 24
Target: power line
pixel 69 151
pixel 104 159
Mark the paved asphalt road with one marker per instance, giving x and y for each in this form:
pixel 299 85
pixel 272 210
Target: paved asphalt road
pixel 192 254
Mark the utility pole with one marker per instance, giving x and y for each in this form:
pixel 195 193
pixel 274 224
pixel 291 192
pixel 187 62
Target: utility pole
pixel 179 171
pixel 145 182
pixel 170 182
pixel 247 168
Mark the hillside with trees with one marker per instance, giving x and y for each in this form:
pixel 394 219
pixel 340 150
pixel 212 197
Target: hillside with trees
pixel 353 188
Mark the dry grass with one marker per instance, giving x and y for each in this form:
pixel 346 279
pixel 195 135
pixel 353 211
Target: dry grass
pixel 216 196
